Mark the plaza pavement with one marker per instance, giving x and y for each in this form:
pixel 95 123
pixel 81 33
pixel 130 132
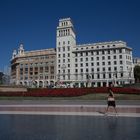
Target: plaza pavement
pixel 125 108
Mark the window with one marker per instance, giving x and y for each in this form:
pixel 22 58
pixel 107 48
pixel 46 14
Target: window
pixel 68 65
pixel 63 55
pixel 120 56
pixel 26 69
pixel 81 59
pixel 76 65
pixel 86 53
pixel 63 42
pixel 108 57
pixel 68 31
pixel 59 55
pixel 76 70
pixel 98 76
pixel 109 75
pixel 68 48
pixel 68 42
pixel 63 48
pixel 59 49
pixel 103 63
pixel 104 76
pixel 81 70
pixel 98 69
pixel 68 54
pixel 109 63
pixel 87 76
pixel 92 64
pixel 115 62
pixel 108 51
pixel 81 64
pixel 97 63
pixel 76 60
pixel 97 58
pixel 81 54
pixel 121 62
pixel 114 51
pixel 63 77
pixel 114 56
pixel 120 50
pixel 86 70
pixel 86 59
pixel 121 68
pixel 92 59
pixel 109 68
pixel 103 69
pixel 86 64
pixel 103 58
pixel 92 69
pixel 115 68
pixel 31 69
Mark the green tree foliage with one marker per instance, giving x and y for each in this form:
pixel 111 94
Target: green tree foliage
pixel 1 77
pixel 137 73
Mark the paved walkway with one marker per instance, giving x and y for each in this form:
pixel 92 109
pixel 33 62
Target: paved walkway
pixel 63 107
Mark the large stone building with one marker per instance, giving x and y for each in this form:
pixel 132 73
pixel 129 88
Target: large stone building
pixel 86 65
pixel 97 64
pixel 33 68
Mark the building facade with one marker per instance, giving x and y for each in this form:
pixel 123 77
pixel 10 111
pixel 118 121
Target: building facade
pixel 72 65
pixel 91 65
pixel 136 61
pixel 33 68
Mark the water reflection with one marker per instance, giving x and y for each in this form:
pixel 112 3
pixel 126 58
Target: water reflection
pixel 47 127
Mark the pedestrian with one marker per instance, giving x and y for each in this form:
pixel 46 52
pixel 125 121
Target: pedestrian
pixel 111 101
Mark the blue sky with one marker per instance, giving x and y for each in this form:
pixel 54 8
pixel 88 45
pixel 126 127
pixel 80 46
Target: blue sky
pixel 34 22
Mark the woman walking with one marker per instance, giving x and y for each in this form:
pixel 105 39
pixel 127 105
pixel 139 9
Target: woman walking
pixel 111 101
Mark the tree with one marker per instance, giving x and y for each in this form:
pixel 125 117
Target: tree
pixel 1 77
pixel 137 73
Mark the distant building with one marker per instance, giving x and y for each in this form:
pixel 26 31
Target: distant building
pixel 33 68
pixel 136 61
pixel 86 65
pixel 71 65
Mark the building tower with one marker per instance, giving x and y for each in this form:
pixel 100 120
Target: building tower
pixel 21 50
pixel 65 42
